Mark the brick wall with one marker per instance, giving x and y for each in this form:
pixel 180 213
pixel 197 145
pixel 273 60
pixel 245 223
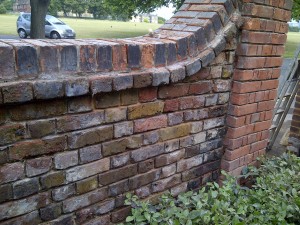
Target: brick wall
pixel 259 58
pixel 83 122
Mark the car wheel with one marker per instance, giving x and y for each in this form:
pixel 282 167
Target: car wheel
pixel 22 33
pixel 54 35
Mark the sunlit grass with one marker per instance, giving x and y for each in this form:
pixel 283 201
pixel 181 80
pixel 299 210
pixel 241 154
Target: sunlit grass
pixel 293 43
pixel 88 28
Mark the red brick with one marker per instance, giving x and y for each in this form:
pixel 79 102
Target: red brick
pixel 171 105
pixel 269 84
pixel 256 37
pixel 230 165
pixel 239 132
pixel 245 87
pixel 173 91
pixel 242 110
pixel 242 99
pixel 191 102
pixel 37 147
pixel 150 123
pixel 258 146
pixel 200 88
pixel 148 94
pixel 233 143
pixel 236 121
pixel 119 57
pixel 260 126
pixel 237 153
pixel 265 106
pixel 243 75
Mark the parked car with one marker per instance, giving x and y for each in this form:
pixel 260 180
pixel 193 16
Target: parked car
pixel 54 28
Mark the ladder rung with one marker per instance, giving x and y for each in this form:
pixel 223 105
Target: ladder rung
pixel 273 127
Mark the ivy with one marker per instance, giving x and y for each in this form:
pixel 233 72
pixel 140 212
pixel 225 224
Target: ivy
pixel 272 198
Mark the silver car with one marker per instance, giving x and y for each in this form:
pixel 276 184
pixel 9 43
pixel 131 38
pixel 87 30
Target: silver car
pixel 54 28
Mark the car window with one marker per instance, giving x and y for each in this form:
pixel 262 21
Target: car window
pixel 54 20
pixel 27 17
pixel 19 18
pixel 47 23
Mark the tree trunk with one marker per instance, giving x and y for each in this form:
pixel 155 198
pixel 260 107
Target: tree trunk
pixel 38 13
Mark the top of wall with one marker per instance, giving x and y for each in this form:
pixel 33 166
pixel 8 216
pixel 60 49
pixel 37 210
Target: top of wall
pixel 190 40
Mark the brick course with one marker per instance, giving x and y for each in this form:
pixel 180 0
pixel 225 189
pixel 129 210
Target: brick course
pixel 142 115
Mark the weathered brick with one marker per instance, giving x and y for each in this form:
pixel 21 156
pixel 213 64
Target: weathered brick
pixel 143 179
pixel 147 152
pixel 65 160
pixel 89 137
pixel 50 212
pixel 48 89
pixel 11 172
pixel 23 206
pixel 53 179
pixel 104 58
pixel 213 123
pixel 12 94
pixel 26 187
pixel 107 100
pixel 151 138
pixel 63 192
pixel 118 188
pixel 160 77
pixel 38 110
pixel 168 170
pixel 119 160
pixel 134 56
pixel 200 88
pixel 142 80
pixel 194 115
pixel 199 137
pixel 175 118
pixel 120 214
pixel 201 170
pixel 87 61
pixel 115 114
pixel 76 87
pixel 29 218
pixel 87 185
pixel 113 176
pixel 7 62
pixel 27 63
pixel 38 166
pixel 211 100
pixel 6 193
pixel 78 202
pixel 38 147
pixel 41 128
pixel 143 192
pixel 160 54
pixel 123 129
pixel 101 84
pixel 173 91
pixel 146 109
pixel 79 104
pixel 189 163
pixel 148 94
pixel 177 73
pixel 146 166
pixel 68 58
pixel 129 97
pixel 82 121
pixel 12 133
pixel 174 132
pixel 114 147
pixel 166 183
pixel 210 145
pixel 150 123
pixel 87 170
pixel 169 158
pixel 90 153
pixel 95 211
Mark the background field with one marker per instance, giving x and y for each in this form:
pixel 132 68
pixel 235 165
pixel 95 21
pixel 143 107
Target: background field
pixel 89 28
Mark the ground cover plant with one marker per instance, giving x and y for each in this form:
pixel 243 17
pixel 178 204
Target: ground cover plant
pixel 273 198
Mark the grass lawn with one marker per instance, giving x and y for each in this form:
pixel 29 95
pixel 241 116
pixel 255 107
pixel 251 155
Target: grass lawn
pixel 293 43
pixel 89 28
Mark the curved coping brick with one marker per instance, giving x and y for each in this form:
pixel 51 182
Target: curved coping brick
pixel 190 40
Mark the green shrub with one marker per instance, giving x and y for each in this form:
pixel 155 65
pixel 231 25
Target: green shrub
pixel 274 198
pixel 294 29
pixel 2 9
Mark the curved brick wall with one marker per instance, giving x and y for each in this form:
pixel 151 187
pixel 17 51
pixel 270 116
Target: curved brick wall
pixel 83 122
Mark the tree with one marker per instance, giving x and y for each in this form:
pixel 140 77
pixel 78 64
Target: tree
pixel 296 10
pixel 39 10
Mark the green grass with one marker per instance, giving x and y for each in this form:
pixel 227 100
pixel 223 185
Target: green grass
pixel 88 28
pixel 293 43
